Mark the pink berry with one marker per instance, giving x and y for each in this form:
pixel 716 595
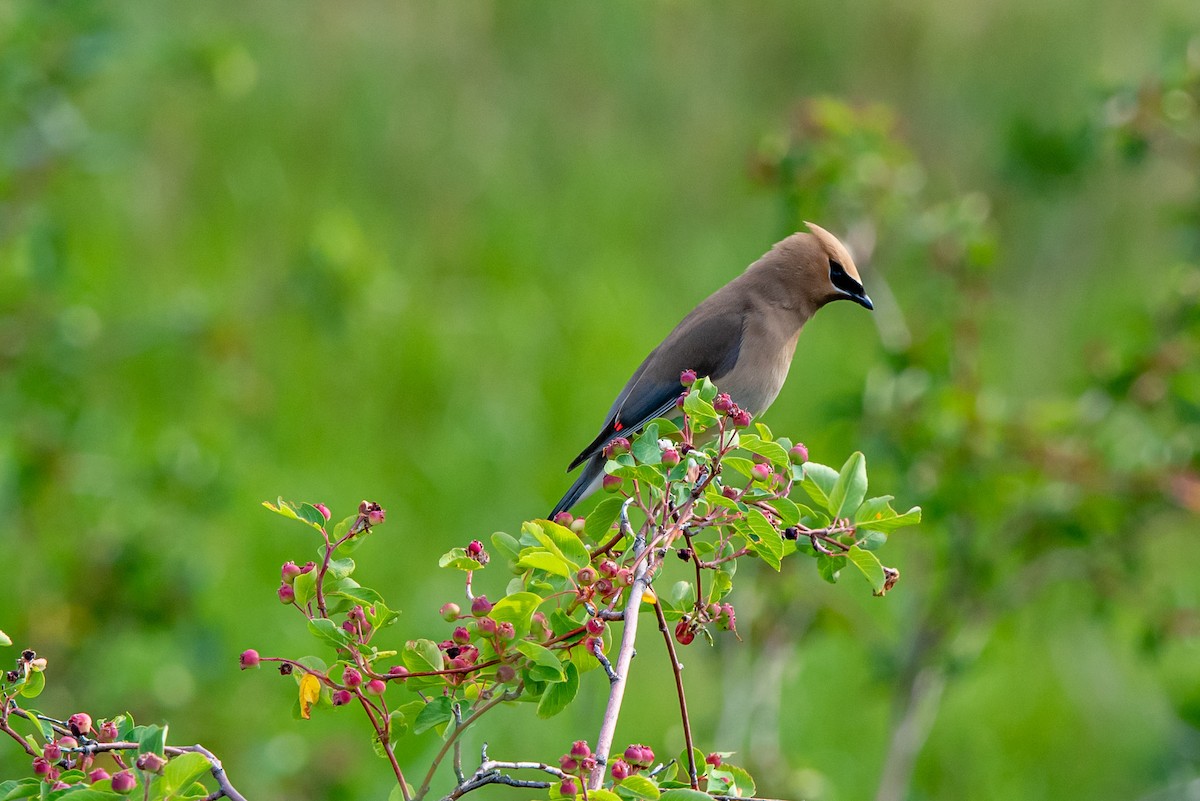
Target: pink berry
pixel 687 377
pixel 108 732
pixel 123 782
pixel 375 687
pixel 474 548
pixel 564 518
pixel 248 659
pixel 723 403
pixel 670 457
pixel 351 677
pixel 577 525
pixel 481 605
pixel 287 595
pixel 308 567
pixel 341 697
pixel 620 769
pixel 684 632
pixel 323 509
pixel 761 472
pixel 608 568
pixel 487 626
pixel 450 612
pixel 742 418
pixel 98 775
pixel 798 453
pixel 506 631
pixel 398 671
pixel 461 636
pixel 586 576
pixel 611 483
pixel 713 759
pixel 505 674
pixel 150 762
pixel 595 626
pixel 580 749
pixel 80 722
pixel 568 787
pixel 52 752
pixel 41 766
pixel 289 571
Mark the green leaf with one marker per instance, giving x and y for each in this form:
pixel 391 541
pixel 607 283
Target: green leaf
pixel 684 794
pixel 701 411
pixel 563 542
pixel 305 586
pixel 877 514
pixel 851 486
pixel 436 712
pixel 363 595
pixel 764 448
pixel 764 539
pixel 645 448
pixel 152 739
pixel 601 795
pixel 830 566
pixel 789 512
pixel 517 609
pixel 5 639
pixel 598 523
pixel 730 780
pixel 422 656
pixel 396 794
pixel 638 787
pixel 181 771
pixel 457 559
pixel 740 464
pixel 542 559
pixel 546 666
pixel 866 562
pixel 35 682
pixel 559 694
pixel 339 569
pixel 311 515
pixel 818 482
pixel 644 473
pixel 21 788
pixel 682 594
pixel 871 540
pixel 288 510
pixel 720 586
pixel 507 545
pixel 325 629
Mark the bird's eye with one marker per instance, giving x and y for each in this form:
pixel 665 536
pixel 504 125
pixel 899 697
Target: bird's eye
pixel 839 278
pixel 836 268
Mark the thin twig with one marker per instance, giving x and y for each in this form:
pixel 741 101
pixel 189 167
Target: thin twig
pixel 511 695
pixel 677 669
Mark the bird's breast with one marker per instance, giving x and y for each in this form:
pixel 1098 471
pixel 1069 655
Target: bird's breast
pixel 762 367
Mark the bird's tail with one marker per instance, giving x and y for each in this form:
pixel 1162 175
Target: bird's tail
pixel 585 484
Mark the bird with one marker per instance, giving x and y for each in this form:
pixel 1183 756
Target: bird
pixel 742 337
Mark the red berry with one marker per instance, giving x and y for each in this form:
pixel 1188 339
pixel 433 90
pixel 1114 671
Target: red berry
pixel 595 626
pixel 684 632
pixel 580 749
pixel 481 605
pixel 308 567
pixel 608 568
pixel 505 674
pixel 798 453
pixel 461 635
pixel 611 483
pixel 687 377
pixel 108 732
pixel 248 659
pixel 398 671
pixel 323 509
pixel 670 457
pixel 568 787
pixel 341 697
pixel 742 418
pixel 761 472
pixel 564 518
pixel 586 576
pixel 620 769
pixel 506 631
pixel 80 722
pixel 52 752
pixel 375 687
pixel 41 767
pixel 713 759
pixel 98 775
pixel 723 403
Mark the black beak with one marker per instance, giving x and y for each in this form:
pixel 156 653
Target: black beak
pixel 862 300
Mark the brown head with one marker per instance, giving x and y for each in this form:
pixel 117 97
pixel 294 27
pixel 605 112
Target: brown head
pixel 815 269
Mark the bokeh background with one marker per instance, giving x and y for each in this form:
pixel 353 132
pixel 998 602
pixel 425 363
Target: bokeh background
pixel 408 252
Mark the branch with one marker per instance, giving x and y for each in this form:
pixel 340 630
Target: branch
pixel 511 695
pixel 616 692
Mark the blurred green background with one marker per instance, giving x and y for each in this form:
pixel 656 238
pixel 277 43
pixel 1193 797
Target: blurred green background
pixel 409 252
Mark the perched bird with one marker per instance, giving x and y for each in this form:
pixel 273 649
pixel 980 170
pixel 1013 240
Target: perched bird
pixel 742 337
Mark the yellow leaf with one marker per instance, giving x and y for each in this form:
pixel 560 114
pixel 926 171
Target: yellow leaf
pixel 310 691
pixel 648 597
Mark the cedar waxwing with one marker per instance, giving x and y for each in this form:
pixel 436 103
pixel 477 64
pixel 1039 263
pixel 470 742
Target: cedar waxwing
pixel 742 337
